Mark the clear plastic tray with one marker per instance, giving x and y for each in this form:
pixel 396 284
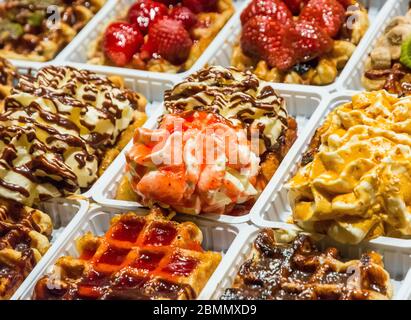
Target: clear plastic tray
pixel 223 52
pixel 78 50
pixel 151 87
pixel 396 261
pixel 273 206
pixel 217 237
pixel 350 78
pixel 65 213
pixel 301 103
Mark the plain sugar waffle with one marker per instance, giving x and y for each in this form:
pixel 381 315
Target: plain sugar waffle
pixel 140 257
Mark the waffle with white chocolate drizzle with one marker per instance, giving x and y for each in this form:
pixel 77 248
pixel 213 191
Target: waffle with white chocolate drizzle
pixel 24 239
pixel 38 30
pixel 296 270
pixel 60 130
pixel 139 258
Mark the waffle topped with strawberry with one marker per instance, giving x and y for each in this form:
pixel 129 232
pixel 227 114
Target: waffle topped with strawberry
pixel 139 258
pixel 161 36
pixel 299 41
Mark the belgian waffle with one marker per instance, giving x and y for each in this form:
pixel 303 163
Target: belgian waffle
pixel 209 24
pixel 61 129
pixel 27 29
pixel 7 76
pixel 24 234
pixel 140 257
pixel 324 70
pixel 297 270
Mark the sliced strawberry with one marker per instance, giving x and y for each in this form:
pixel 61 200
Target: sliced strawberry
pixel 169 39
pixel 121 41
pixel 185 15
pixel 295 5
pixel 145 12
pixel 275 9
pixel 312 41
pixel 198 6
pixel 270 40
pixel 328 14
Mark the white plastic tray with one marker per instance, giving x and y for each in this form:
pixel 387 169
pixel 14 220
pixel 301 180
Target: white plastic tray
pixel 301 103
pixel 65 213
pixel 83 31
pixel 350 78
pixel 217 237
pixel 396 261
pixel 222 53
pixel 273 206
pixel 79 48
pixel 150 86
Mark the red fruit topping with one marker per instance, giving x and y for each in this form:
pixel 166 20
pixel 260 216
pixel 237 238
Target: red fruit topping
pixel 347 3
pixel 185 15
pixel 198 6
pixel 145 12
pixel 270 40
pixel 312 41
pixel 121 41
pixel 275 9
pixel 168 38
pixel 295 5
pixel 328 14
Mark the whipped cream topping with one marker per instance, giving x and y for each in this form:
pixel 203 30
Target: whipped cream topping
pixel 195 162
pixel 240 97
pixel 54 131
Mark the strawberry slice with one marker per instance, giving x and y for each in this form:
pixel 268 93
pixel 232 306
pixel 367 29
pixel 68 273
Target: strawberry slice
pixel 295 5
pixel 275 9
pixel 121 41
pixel 270 40
pixel 328 14
pixel 169 39
pixel 312 41
pixel 198 6
pixel 145 12
pixel 185 15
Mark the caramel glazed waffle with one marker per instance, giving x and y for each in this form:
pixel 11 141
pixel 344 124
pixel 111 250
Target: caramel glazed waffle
pixel 283 266
pixel 140 257
pixel 27 33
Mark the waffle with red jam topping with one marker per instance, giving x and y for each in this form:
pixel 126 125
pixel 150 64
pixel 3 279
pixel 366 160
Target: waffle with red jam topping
pixel 296 270
pixel 140 257
pixel 37 30
pixel 24 239
pixel 299 41
pixel 156 37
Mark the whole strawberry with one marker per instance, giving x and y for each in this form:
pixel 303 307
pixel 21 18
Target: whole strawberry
pixel 121 41
pixel 328 14
pixel 275 9
pixel 169 39
pixel 198 6
pixel 145 12
pixel 312 41
pixel 185 15
pixel 270 40
pixel 295 5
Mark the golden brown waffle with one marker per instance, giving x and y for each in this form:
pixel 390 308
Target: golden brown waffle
pixel 297 270
pixel 30 36
pixel 354 179
pixel 210 24
pixel 323 72
pixel 140 257
pixel 24 234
